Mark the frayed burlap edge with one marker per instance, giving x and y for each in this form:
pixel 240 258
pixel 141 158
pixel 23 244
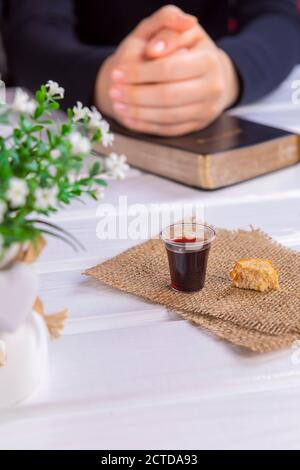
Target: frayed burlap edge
pixel 126 270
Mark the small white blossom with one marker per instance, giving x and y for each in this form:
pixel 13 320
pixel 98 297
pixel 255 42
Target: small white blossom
pixel 103 126
pixel 55 154
pixel 116 166
pixel 54 90
pixel 17 192
pixel 80 112
pixel 95 118
pixel 80 144
pixel 99 191
pixel 52 170
pixel 107 139
pixel 3 209
pixel 45 197
pixel 73 177
pixel 97 123
pixel 22 103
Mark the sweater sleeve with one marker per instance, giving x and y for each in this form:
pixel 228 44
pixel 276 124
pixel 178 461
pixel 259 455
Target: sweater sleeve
pixel 265 46
pixel 42 45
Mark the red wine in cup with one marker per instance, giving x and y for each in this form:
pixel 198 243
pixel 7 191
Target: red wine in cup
pixel 187 266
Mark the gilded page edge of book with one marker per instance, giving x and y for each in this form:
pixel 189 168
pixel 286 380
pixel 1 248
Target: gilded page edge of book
pixel 138 159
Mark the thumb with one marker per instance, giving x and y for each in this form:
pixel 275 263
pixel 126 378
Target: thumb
pixel 167 41
pixel 131 49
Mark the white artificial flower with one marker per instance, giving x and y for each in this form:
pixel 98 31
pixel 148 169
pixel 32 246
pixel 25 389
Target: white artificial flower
pixel 99 191
pixel 73 176
pixel 54 90
pixel 55 154
pixel 80 112
pixel 103 126
pixel 45 197
pixel 17 192
pixel 96 122
pixel 80 144
pixel 95 118
pixel 52 170
pixel 116 166
pixel 3 209
pixel 22 103
pixel 107 139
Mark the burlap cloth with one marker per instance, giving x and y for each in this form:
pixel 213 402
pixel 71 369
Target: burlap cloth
pixel 258 321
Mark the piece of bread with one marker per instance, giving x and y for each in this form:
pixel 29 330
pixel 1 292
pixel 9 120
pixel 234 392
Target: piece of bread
pixel 256 274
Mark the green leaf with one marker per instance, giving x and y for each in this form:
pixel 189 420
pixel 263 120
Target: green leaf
pixel 97 136
pixel 41 95
pixel 37 128
pixel 93 195
pixel 50 137
pixel 39 111
pixel 66 129
pixel 60 237
pixel 45 121
pixel 53 106
pixel 25 124
pixel 70 114
pixel 95 169
pixel 100 182
pixel 4 119
pixel 59 229
pixel 76 192
pixel 17 133
pixel 32 166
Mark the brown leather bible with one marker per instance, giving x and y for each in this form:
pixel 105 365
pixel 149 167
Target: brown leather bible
pixel 229 151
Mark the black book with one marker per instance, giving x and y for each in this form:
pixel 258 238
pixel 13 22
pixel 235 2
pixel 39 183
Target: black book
pixel 229 151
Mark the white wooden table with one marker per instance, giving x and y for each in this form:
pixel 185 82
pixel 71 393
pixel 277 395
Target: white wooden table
pixel 127 374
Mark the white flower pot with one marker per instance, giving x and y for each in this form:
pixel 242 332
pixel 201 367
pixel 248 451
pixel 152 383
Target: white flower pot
pixel 23 334
pixel 26 361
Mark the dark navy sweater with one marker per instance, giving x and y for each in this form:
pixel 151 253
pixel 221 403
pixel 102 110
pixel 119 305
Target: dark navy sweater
pixel 67 40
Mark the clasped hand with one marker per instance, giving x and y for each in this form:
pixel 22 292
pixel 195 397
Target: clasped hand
pixel 167 77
